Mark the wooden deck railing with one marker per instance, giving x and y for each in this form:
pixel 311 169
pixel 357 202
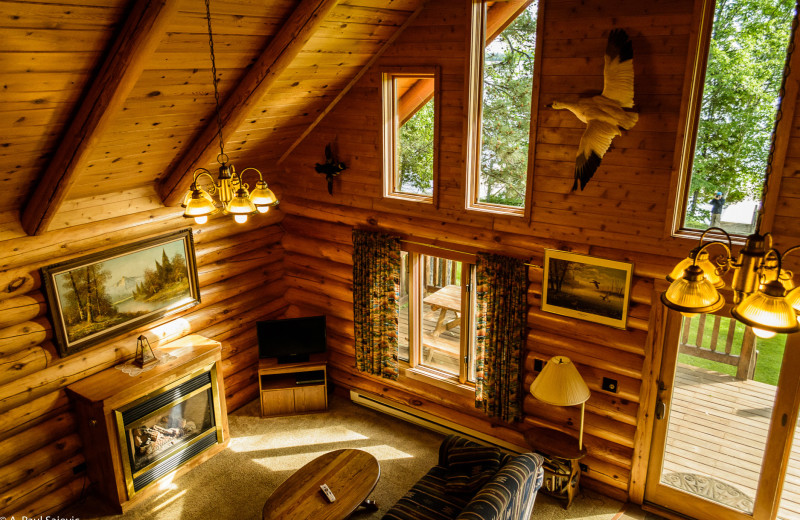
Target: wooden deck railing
pixel 720 348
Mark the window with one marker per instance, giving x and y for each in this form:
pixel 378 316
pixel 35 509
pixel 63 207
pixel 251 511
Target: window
pixel 731 113
pixel 503 57
pixel 409 135
pixel 436 316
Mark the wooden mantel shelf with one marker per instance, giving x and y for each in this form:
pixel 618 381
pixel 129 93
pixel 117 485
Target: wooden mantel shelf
pixel 114 388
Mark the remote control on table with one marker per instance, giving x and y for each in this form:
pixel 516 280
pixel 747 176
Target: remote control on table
pixel 327 492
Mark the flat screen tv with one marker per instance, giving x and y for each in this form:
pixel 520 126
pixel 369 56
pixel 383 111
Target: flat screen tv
pixel 291 340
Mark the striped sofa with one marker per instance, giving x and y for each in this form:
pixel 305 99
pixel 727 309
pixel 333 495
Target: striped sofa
pixel 507 485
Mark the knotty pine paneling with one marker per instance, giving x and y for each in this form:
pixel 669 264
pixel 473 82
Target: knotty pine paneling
pixel 241 281
pixel 620 215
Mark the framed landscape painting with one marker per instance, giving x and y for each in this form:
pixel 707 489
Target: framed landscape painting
pixel 585 287
pixel 106 294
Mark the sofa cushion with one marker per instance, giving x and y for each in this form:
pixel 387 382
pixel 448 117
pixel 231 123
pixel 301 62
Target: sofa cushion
pixel 510 493
pixel 470 467
pixel 429 500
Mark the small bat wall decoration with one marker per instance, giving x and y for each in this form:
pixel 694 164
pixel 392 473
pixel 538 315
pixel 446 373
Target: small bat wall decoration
pixel 330 168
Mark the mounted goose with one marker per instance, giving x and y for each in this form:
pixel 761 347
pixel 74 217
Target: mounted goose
pixel 604 115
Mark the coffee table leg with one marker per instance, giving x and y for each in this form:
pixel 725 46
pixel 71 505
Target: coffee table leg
pixel 370 504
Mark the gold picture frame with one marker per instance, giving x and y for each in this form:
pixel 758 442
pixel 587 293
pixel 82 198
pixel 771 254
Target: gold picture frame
pixel 99 296
pixel 587 288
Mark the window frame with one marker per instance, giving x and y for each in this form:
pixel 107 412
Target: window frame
pixel 390 129
pixel 464 381
pixel 484 21
pixel 688 124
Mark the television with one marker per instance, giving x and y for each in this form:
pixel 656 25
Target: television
pixel 291 340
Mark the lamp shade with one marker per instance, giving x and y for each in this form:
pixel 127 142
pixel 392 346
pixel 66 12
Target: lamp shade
pixel 240 204
pixel 794 300
pixel 692 293
pixel 200 205
pixel 709 269
pixel 767 309
pixel 560 384
pixel 262 197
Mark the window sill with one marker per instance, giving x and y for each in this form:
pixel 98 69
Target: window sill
pixel 497 209
pixel 694 235
pixel 409 197
pixel 447 382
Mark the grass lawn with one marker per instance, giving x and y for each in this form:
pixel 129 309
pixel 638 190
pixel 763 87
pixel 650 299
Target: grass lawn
pixel 768 360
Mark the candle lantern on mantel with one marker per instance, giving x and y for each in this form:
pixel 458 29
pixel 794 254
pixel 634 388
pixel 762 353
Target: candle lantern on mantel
pixel 144 353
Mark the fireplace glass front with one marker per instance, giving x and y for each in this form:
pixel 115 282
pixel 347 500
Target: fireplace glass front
pixel 161 432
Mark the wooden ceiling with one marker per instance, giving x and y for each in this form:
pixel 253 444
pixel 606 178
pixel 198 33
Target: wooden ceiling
pixel 108 105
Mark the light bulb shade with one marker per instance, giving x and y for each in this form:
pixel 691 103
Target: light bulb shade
pixel 709 269
pixel 793 298
pixel 240 204
pixel 768 309
pixel 693 293
pixel 262 195
pixel 560 384
pixel 199 205
pixel 188 197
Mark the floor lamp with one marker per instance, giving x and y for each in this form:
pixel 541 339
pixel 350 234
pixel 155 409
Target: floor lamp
pixel 560 384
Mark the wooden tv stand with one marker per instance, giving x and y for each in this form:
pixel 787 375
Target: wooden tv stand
pixel 280 392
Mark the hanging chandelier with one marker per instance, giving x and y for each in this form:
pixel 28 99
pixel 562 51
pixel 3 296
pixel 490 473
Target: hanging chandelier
pixel 764 294
pixel 233 197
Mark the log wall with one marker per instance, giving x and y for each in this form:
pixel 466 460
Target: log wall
pixel 240 271
pixel 621 215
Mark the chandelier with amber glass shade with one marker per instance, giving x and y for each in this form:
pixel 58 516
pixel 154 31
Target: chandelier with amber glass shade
pixel 232 194
pixel 764 294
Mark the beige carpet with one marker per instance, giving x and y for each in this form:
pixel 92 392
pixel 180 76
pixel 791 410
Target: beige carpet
pixel 264 452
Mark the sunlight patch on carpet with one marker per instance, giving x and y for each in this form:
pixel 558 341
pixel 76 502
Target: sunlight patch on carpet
pixel 296 461
pixel 294 439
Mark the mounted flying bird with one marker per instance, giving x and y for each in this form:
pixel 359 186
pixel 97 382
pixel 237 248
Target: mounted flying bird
pixel 604 115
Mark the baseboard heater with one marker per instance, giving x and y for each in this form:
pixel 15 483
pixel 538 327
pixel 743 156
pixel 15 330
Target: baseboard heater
pixel 430 421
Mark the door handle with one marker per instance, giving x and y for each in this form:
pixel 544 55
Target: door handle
pixel 661 406
pixel 661 409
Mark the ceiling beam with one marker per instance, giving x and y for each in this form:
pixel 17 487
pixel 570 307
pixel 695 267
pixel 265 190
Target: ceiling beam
pixel 276 57
pixel 138 38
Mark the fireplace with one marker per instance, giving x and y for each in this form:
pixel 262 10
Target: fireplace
pixel 160 422
pixel 161 432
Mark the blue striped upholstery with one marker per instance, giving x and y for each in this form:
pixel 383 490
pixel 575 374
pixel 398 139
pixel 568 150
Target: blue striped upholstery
pixel 509 495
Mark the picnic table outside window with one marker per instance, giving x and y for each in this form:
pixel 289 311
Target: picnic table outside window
pixel 448 298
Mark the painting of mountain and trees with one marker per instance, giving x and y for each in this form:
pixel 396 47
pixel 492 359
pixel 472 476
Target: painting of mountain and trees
pixel 98 296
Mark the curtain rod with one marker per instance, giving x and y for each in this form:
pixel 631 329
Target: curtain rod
pixel 457 251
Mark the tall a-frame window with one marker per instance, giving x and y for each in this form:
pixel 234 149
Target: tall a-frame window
pixel 740 57
pixel 501 91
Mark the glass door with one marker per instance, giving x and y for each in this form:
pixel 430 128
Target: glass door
pixel 726 410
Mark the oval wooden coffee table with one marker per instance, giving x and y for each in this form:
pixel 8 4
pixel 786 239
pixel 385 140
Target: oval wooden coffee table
pixel 350 474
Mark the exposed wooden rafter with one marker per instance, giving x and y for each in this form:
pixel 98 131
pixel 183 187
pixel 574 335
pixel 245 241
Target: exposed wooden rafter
pixel 138 38
pixel 275 58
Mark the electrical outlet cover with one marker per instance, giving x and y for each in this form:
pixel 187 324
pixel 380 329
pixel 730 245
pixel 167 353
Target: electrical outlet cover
pixel 610 385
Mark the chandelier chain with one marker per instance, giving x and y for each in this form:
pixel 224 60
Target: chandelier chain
pixel 787 69
pixel 214 80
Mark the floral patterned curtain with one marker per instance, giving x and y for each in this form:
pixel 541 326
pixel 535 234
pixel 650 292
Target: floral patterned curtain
pixel 500 314
pixel 376 287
